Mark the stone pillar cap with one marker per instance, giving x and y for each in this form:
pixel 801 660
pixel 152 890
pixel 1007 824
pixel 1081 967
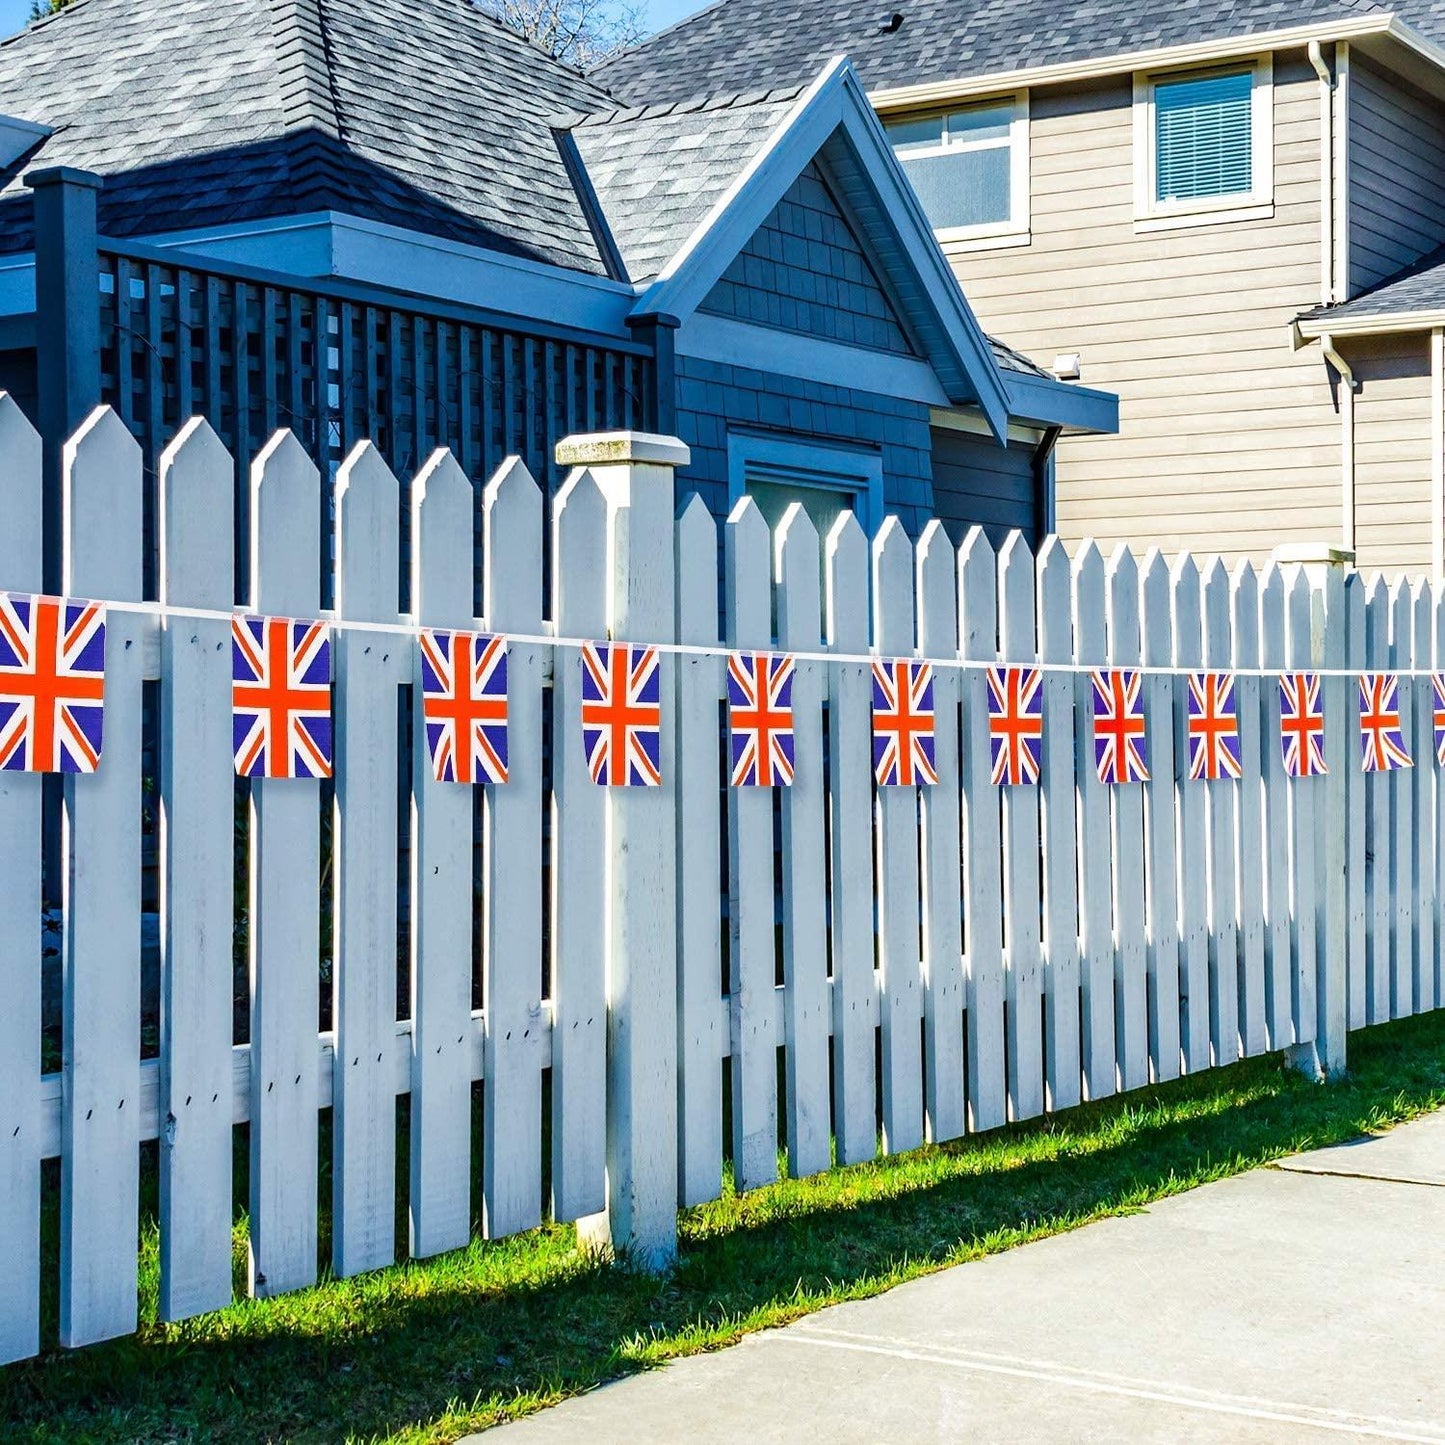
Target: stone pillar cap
pixel 621 448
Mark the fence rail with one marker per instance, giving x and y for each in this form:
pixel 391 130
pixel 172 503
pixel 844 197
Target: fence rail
pixel 929 960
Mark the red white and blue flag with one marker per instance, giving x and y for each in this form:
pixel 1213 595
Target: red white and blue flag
pixel 1015 724
pixel 281 697
pixel 1120 754
pixel 1439 683
pixel 1213 726
pixel 903 724
pixel 52 684
pixel 1382 744
pixel 1302 725
pixel 622 714
pixel 760 714
pixel 464 705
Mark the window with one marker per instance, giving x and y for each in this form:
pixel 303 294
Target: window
pixel 1203 145
pixel 827 479
pixel 969 168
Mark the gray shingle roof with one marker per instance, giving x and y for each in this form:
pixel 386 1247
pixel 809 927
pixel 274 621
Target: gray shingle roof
pixel 1419 287
pixel 738 43
pixel 422 113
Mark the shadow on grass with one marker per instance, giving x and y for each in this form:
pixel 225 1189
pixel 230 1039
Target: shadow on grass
pixel 425 1350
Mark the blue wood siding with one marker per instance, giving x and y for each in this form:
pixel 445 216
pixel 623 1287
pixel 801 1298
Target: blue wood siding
pixel 976 482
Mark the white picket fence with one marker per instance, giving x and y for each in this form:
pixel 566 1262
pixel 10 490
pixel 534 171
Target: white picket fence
pixel 1019 949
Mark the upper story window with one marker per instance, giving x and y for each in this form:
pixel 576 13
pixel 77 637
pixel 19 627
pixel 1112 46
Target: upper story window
pixel 1203 146
pixel 970 169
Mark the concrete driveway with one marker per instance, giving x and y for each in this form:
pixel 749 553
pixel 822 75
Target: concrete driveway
pixel 1302 1302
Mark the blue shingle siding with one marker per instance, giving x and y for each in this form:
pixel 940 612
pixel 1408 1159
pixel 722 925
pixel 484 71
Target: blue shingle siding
pixel 804 270
pixel 712 398
pixel 976 481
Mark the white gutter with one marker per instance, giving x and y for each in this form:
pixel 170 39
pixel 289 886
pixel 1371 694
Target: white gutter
pixel 1384 324
pixel 1349 386
pixel 1327 171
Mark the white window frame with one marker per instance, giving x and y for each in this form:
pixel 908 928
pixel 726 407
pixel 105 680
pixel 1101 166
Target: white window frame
pixel 799 462
pixel 1015 230
pixel 1257 205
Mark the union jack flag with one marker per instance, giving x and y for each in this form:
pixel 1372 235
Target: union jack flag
pixel 622 714
pixel 1382 744
pixel 1015 723
pixel 281 697
pixel 903 724
pixel 1119 743
pixel 760 712
pixel 1302 725
pixel 52 684
pixel 1439 681
pixel 464 706
pixel 1213 727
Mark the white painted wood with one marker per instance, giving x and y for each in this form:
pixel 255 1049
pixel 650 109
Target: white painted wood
pixel 1096 882
pixel 897 866
pixel 579 864
pixel 370 667
pixel 1437 654
pixel 1131 992
pixel 1305 806
pixel 100 957
pixel 1402 809
pixel 20 945
pixel 285 913
pixel 1193 814
pixel 1250 854
pixel 1023 924
pixel 1360 1010
pixel 1224 975
pixel 1063 1077
pixel 806 1004
pixel 701 1035
pixel 1378 902
pixel 442 925
pixel 850 807
pixel 1423 777
pixel 1161 867
pixel 1278 947
pixel 945 1096
pixel 752 954
pixel 1327 626
pixel 983 842
pixel 197 777
pixel 512 856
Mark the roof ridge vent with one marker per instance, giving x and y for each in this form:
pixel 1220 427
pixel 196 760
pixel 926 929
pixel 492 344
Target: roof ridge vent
pixel 889 22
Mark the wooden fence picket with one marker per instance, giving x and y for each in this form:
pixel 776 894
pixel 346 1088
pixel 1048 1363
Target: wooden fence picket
pixel 1305 811
pixel 579 863
pixel 1361 1008
pixel 1250 853
pixel 752 951
pixel 1437 662
pixel 806 1004
pixel 1063 1078
pixel 1273 654
pixel 855 992
pixel 370 668
pixel 982 853
pixel 20 931
pixel 512 964
pixel 1161 868
pixel 285 914
pixel 442 929
pixel 1131 1000
pixel 197 774
pixel 1402 809
pixel 1378 909
pixel 1423 844
pixel 701 1040
pixel 897 870
pixel 1096 880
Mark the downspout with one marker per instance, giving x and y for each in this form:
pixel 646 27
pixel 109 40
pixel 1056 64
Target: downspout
pixel 1348 387
pixel 1044 506
pixel 1437 451
pixel 1327 175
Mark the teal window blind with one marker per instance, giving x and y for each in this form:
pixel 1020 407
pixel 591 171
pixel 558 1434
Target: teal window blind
pixel 1202 137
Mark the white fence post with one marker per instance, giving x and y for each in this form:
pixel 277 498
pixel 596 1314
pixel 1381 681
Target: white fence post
pixel 1250 855
pixel 635 472
pixel 20 938
pixel 197 505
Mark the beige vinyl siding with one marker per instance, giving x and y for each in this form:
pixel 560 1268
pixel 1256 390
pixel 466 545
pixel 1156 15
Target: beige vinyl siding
pixel 1397 175
pixel 1392 453
pixel 1228 440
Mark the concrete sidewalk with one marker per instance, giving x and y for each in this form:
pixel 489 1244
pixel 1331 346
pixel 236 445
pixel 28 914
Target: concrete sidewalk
pixel 1304 1302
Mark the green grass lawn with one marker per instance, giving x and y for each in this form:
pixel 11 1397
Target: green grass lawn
pixel 428 1351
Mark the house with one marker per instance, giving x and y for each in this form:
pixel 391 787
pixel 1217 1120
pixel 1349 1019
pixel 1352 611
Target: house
pixel 1149 196
pixel 400 220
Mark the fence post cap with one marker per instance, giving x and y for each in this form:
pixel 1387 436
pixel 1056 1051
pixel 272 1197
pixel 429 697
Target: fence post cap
pixel 62 176
pixel 619 448
pixel 1316 554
